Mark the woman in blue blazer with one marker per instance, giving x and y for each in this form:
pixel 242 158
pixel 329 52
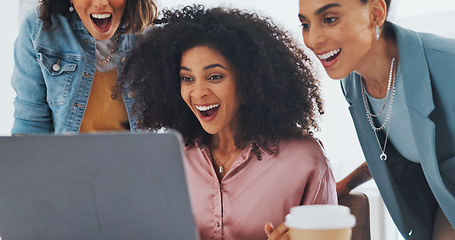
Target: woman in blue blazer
pixel 400 86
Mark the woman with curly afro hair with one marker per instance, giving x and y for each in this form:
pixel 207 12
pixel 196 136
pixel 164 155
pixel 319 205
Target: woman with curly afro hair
pixel 240 92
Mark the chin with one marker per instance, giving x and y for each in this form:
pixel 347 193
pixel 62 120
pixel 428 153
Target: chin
pixel 209 130
pixel 336 75
pixel 109 34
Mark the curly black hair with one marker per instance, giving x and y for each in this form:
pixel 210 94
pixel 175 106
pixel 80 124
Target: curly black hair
pixel 279 95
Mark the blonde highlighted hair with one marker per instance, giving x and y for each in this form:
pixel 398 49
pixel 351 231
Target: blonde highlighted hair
pixel 138 13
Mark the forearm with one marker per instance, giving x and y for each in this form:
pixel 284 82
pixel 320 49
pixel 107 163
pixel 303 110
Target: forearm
pixel 359 176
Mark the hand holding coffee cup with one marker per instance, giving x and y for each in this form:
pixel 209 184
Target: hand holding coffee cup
pixel 320 222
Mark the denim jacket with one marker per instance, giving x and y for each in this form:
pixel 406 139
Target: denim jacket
pixel 53 75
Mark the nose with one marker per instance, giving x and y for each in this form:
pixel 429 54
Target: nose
pixel 200 90
pixel 100 3
pixel 313 38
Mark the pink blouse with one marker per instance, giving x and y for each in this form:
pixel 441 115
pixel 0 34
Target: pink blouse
pixel 290 173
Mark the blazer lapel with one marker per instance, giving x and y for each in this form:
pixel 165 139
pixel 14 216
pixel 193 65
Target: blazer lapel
pixel 419 96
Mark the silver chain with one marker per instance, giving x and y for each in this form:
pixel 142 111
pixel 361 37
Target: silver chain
pixel 388 91
pixel 389 98
pixel 383 155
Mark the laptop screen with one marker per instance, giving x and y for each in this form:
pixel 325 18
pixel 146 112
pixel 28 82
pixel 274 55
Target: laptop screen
pixel 94 186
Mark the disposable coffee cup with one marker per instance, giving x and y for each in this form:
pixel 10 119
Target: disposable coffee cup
pixel 320 222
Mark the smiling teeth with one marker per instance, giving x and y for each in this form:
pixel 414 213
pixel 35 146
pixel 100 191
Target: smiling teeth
pixel 206 108
pixel 329 54
pixel 101 15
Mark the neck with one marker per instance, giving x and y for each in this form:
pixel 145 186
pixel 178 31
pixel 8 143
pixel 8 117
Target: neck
pixel 224 152
pixel 375 67
pixel 223 142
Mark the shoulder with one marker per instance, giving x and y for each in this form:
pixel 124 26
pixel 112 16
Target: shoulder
pixel 32 15
pixel 440 56
pixel 425 50
pixel 31 18
pixel 306 157
pixel 33 25
pixel 306 149
pixel 437 44
pixel 31 21
pixel 431 43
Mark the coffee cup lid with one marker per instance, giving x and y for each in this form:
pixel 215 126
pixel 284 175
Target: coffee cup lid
pixel 320 217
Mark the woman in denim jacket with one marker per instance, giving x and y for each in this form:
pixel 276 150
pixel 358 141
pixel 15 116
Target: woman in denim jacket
pixel 67 56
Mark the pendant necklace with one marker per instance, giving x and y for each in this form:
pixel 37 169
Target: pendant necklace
pixel 221 168
pixel 389 97
pixel 108 58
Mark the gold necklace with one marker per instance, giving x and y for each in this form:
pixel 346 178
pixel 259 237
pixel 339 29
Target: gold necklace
pixel 221 168
pixel 112 51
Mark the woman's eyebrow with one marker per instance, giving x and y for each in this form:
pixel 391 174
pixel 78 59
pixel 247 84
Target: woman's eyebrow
pixel 301 17
pixel 205 68
pixel 321 10
pixel 185 68
pixel 324 8
pixel 213 66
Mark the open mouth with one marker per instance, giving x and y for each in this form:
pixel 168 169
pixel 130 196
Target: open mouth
pixel 330 56
pixel 208 110
pixel 102 21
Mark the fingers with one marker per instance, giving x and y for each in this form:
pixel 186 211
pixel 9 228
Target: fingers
pixel 285 236
pixel 279 233
pixel 268 228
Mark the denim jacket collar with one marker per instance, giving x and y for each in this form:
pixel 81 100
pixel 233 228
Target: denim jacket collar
pixel 76 23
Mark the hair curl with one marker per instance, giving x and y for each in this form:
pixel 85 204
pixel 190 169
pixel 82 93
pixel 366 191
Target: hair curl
pixel 138 14
pixel 279 95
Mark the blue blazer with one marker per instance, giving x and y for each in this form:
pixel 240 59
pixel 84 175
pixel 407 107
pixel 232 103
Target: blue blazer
pixel 411 191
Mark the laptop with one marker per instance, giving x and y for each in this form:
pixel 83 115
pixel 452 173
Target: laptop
pixel 94 186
